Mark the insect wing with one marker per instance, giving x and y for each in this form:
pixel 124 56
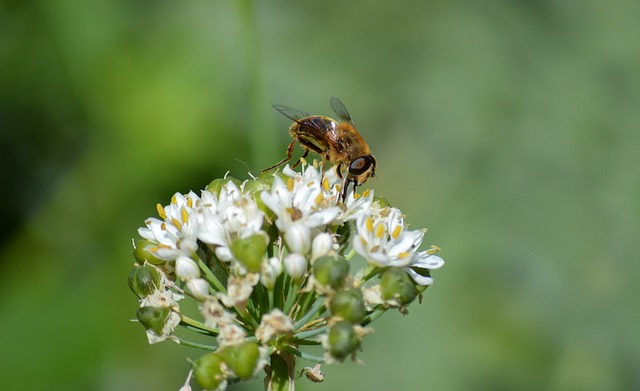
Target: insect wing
pixel 340 110
pixel 291 113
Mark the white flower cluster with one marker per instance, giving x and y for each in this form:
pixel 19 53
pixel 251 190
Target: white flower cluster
pixel 228 246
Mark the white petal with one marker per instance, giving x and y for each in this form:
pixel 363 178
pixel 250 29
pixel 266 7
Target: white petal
pixel 418 278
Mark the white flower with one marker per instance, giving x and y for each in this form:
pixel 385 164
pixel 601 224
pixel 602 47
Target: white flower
pixel 383 240
pixel 300 207
pixel 270 272
pixel 354 205
pixel 232 215
pixel 239 289
pixel 175 235
pixel 323 244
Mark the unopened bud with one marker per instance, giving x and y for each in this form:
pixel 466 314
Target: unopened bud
pixel 298 238
pixel 295 265
pixel 217 184
pixel 349 305
pixel 322 245
pixel 199 288
pixel 186 268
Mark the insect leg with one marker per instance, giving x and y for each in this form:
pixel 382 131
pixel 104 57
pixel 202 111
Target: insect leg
pixel 306 153
pixel 283 161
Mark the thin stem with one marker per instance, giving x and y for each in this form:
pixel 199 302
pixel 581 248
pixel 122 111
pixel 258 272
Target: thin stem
pixel 312 311
pixel 195 344
pixel 197 326
pixel 208 275
pixel 302 355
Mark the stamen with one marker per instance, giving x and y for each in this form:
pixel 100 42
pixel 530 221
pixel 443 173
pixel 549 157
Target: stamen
pixel 176 223
pixel 369 224
pixel 160 210
pixel 325 184
pixel 290 184
pixel 380 231
pixel 396 232
pixel 185 215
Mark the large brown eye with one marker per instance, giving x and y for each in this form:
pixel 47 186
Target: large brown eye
pixel 361 165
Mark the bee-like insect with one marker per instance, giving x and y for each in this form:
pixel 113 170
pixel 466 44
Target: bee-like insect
pixel 336 141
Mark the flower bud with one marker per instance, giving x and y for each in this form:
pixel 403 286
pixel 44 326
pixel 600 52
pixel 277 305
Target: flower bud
pixel 397 285
pixel 330 271
pixel 295 265
pixel 298 238
pixel 217 184
pixel 255 187
pixel 144 280
pixel 242 359
pixel 199 288
pixel 250 251
pixel 186 268
pixel 349 305
pixel 153 318
pixel 343 340
pixel 322 245
pixel 272 269
pixel 141 254
pixel 208 371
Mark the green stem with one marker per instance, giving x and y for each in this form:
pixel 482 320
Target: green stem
pixel 208 275
pixel 312 311
pixel 195 344
pixel 197 326
pixel 302 355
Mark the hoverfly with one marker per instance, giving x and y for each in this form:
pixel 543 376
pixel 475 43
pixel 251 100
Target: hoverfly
pixel 336 141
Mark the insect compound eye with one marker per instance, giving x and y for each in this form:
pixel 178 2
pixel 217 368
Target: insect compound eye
pixel 361 165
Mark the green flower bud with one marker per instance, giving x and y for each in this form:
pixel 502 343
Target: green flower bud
pixel 343 340
pixel 330 271
pixel 144 280
pixel 142 255
pixel 242 359
pixel 250 251
pixel 381 201
pixel 398 285
pixel 216 185
pixel 349 305
pixel 208 371
pixel 153 318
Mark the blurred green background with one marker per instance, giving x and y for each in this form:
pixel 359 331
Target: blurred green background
pixel 508 128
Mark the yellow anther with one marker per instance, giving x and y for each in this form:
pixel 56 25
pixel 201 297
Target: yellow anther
pixel 184 215
pixel 396 232
pixel 403 255
pixel 369 224
pixel 290 184
pixel 319 199
pixel 380 231
pixel 174 200
pixel 163 226
pixel 356 196
pixel 434 249
pixel 366 193
pixel 160 210
pixel 190 202
pixel 176 223
pixel 325 184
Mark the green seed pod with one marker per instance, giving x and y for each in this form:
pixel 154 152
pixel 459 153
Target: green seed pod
pixel 250 251
pixel 398 285
pixel 142 255
pixel 330 271
pixel 242 359
pixel 343 340
pixel 208 371
pixel 349 305
pixel 144 280
pixel 216 185
pixel 153 318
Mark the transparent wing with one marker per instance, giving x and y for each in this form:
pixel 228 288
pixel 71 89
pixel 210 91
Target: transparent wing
pixel 291 113
pixel 340 110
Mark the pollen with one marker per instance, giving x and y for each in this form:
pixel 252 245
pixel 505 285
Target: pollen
pixel 356 196
pixel 404 254
pixel 160 210
pixel 366 193
pixel 290 184
pixel 190 202
pixel 396 232
pixel 380 231
pixel 319 199
pixel 174 200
